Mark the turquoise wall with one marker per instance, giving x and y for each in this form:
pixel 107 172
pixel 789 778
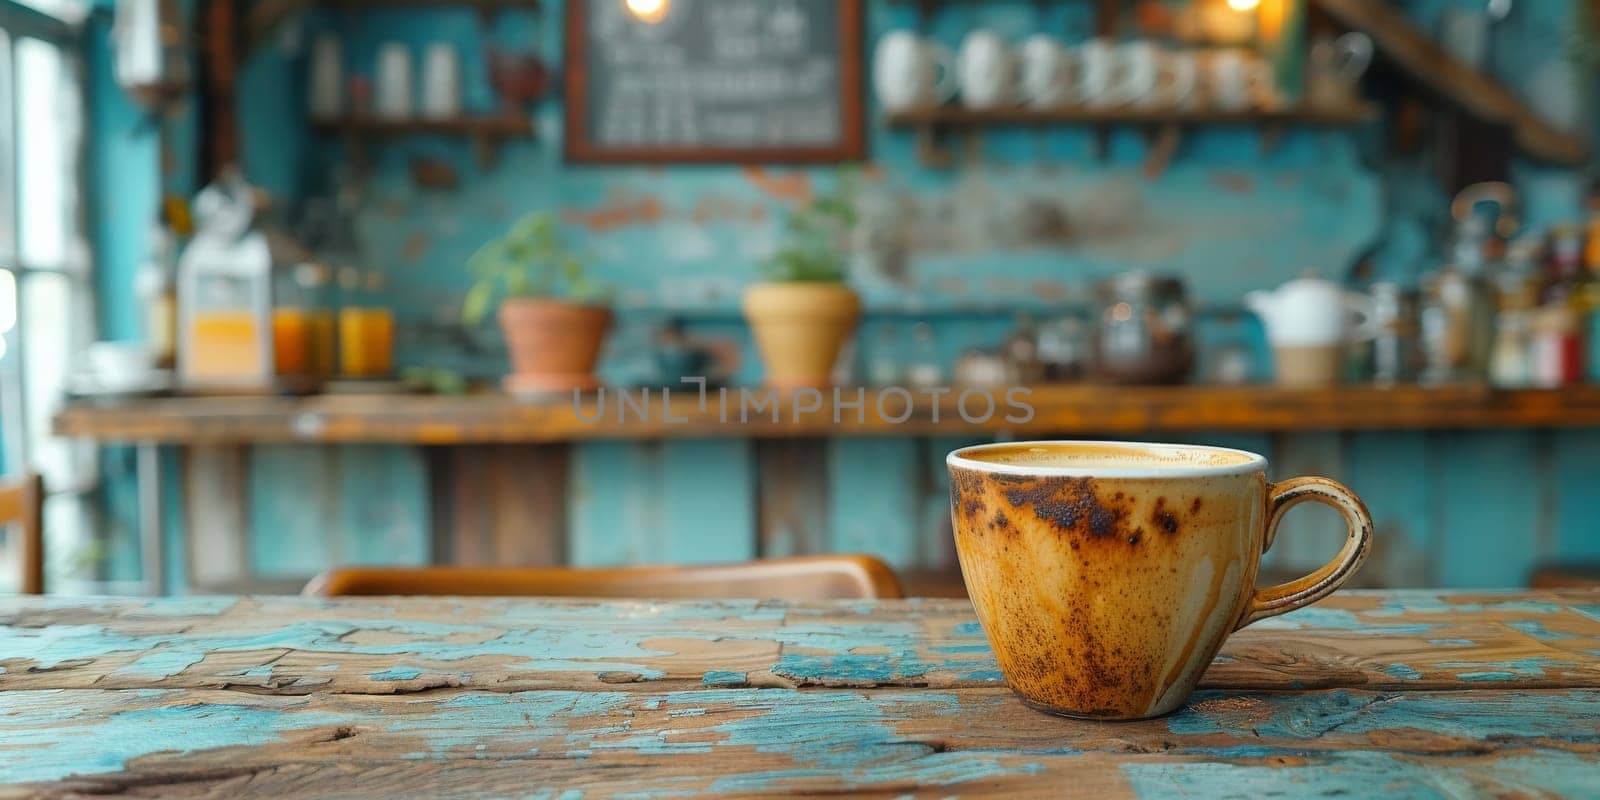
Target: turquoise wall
pixel 1229 215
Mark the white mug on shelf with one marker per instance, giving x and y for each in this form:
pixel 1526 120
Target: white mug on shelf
pixel 1045 72
pixel 1238 81
pixel 1178 85
pixel 1147 76
pixel 985 70
pixel 441 82
pixel 326 94
pixel 910 72
pixel 1097 74
pixel 393 89
pixel 1334 68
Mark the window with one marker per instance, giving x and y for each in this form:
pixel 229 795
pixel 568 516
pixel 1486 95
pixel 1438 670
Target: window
pixel 46 300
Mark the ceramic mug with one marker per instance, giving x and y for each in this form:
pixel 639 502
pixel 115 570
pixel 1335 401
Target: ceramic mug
pixel 326 95
pixel 1237 81
pixel 1045 72
pixel 441 81
pixel 1106 575
pixel 394 81
pixel 1151 77
pixel 985 69
pixel 1179 84
pixel 1334 68
pixel 910 72
pixel 1096 62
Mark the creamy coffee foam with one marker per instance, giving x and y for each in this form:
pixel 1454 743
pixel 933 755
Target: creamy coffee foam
pixel 1097 456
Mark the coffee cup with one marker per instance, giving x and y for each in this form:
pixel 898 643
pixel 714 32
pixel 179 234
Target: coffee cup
pixel 394 81
pixel 441 82
pixel 1106 575
pixel 1179 82
pixel 985 69
pixel 1044 72
pixel 1097 71
pixel 910 72
pixel 326 93
pixel 1235 81
pixel 1334 68
pixel 1144 75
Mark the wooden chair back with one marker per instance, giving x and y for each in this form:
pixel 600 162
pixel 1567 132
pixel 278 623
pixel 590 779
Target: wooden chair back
pixel 22 505
pixel 830 577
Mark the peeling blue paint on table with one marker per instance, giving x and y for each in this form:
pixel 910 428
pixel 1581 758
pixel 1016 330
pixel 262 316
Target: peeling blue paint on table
pixel 1404 694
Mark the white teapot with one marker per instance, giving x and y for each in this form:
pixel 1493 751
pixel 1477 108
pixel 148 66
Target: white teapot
pixel 1309 321
pixel 1311 312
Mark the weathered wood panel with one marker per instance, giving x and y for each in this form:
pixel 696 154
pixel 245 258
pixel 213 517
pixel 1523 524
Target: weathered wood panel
pixel 1396 476
pixel 972 741
pixel 1576 470
pixel 791 496
pixel 501 504
pixel 312 507
pixel 384 507
pixel 647 502
pixel 1491 508
pixel 294 495
pixel 1391 641
pixel 707 490
pixel 215 481
pixel 875 486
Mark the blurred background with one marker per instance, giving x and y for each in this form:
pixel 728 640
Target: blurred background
pixel 287 284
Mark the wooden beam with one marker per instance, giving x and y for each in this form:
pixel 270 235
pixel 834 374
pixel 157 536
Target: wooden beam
pixel 1434 67
pixel 959 117
pixel 1056 410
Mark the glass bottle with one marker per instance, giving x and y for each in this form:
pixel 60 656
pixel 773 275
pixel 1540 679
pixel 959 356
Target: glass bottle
pixel 925 369
pixel 1457 311
pixel 883 362
pixel 157 287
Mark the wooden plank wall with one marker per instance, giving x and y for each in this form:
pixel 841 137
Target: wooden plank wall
pixel 1452 509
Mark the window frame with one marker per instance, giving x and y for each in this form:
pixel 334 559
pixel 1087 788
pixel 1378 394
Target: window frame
pixel 20 22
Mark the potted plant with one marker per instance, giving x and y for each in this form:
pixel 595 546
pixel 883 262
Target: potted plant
pixel 803 313
pixel 553 316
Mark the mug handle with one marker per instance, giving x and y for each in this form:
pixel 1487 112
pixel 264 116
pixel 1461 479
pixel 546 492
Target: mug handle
pixel 1284 495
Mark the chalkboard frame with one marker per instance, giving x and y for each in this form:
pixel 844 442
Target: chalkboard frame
pixel 581 147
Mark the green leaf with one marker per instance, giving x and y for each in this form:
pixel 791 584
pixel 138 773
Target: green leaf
pixel 476 305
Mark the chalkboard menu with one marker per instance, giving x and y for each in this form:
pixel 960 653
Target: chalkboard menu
pixel 714 81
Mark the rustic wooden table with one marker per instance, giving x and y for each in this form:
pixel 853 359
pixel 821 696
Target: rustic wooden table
pixel 1391 693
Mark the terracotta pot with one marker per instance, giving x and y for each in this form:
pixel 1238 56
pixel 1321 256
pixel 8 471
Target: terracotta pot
pixel 554 344
pixel 799 328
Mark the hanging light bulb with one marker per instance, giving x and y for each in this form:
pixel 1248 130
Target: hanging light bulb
pixel 1240 5
pixel 651 11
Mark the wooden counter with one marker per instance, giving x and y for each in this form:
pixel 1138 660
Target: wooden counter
pixel 1067 409
pixel 1401 694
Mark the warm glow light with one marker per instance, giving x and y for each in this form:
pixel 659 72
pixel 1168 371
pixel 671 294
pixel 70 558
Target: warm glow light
pixel 654 10
pixel 1236 5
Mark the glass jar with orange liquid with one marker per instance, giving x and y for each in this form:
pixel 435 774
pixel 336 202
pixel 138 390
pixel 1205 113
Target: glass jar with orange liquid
pixel 302 324
pixel 366 328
